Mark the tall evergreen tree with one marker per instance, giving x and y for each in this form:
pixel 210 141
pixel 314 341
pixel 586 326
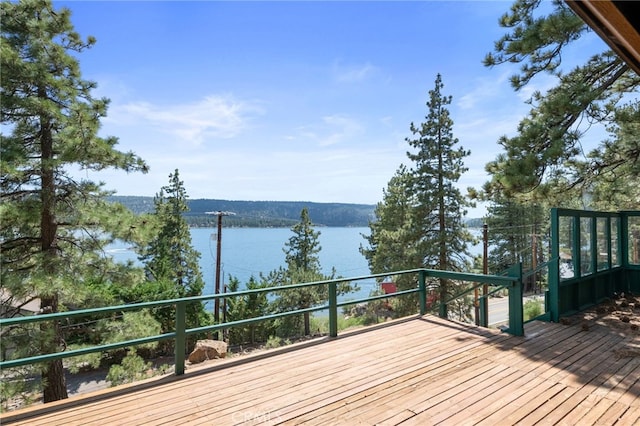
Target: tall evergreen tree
pixel 170 259
pixel 420 221
pixel 517 233
pixel 546 160
pixel 392 245
pixel 303 246
pixel 440 207
pixel 53 225
pixel 303 265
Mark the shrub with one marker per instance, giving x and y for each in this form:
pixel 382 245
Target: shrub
pixel 132 368
pixel 532 309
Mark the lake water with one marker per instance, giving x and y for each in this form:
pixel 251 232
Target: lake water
pixel 248 252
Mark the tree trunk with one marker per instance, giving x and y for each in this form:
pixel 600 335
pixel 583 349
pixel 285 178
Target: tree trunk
pixel 443 264
pixel 53 379
pixel 307 324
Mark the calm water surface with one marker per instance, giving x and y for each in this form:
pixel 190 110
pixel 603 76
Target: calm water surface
pixel 248 252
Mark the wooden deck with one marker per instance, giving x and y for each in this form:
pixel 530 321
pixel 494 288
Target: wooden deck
pixel 420 371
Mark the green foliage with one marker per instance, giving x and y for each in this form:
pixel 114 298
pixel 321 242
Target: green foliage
pixel 420 221
pixel 128 326
pixel 392 244
pixel 461 308
pixel 545 161
pixel 54 226
pixel 535 39
pixel 275 342
pixel 170 261
pixel 612 170
pixel 17 388
pixel 532 309
pixel 249 306
pixel 290 300
pixel 303 266
pixel 87 361
pixel 515 230
pixel 303 247
pixel 131 325
pixel 259 214
pixel 132 368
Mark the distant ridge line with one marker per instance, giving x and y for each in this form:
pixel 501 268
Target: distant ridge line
pixel 262 213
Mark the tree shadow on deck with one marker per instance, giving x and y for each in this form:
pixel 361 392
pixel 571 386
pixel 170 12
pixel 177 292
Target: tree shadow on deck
pixel 597 347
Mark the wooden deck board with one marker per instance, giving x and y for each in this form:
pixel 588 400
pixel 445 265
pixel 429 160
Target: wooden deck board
pixel 421 371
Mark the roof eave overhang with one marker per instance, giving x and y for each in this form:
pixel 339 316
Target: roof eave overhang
pixel 615 22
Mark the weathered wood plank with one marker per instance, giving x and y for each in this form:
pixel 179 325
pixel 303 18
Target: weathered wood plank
pixel 417 372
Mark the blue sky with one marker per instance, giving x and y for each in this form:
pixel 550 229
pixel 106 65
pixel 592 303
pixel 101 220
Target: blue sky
pixel 294 101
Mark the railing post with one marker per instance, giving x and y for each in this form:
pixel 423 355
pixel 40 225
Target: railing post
pixel 181 337
pixel 333 309
pixel 423 292
pixel 442 309
pixel 484 315
pixel 554 269
pixel 516 316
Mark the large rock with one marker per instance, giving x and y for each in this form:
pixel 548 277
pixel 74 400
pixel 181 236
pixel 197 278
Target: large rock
pixel 208 349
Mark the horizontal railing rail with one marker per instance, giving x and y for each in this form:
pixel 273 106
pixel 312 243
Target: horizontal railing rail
pixel 181 332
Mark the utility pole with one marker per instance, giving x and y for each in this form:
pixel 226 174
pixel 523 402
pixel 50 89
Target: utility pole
pixel 216 304
pixel 534 258
pixel 485 271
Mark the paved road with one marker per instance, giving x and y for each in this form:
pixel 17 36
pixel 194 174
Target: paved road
pixel 86 382
pixel 499 309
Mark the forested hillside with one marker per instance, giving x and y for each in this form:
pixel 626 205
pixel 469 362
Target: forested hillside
pixel 261 213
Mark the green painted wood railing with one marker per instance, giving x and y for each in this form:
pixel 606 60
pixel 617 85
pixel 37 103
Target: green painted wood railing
pixel 593 249
pixel 512 282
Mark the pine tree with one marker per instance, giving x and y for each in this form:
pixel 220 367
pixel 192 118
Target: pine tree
pixel 53 225
pixel 303 265
pixel 170 259
pixel 392 245
pixel 420 221
pixel 545 161
pixel 245 307
pixel 303 246
pixel 440 232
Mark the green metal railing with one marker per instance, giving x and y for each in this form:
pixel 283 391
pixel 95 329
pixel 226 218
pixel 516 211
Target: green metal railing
pixel 512 281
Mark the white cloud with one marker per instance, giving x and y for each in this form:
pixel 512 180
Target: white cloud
pixel 484 89
pixel 211 117
pixel 352 73
pixel 341 129
pixel 331 130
